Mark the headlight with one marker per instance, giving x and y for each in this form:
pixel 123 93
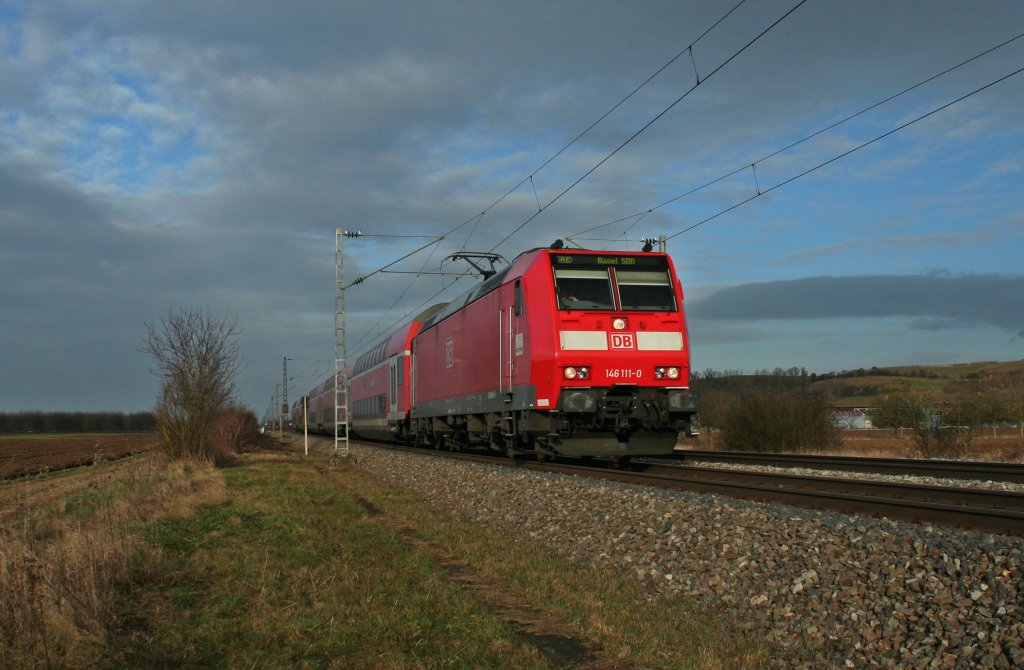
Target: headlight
pixel 661 372
pixel 579 372
pixel 619 323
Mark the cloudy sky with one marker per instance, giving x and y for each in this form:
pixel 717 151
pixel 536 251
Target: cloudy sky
pixel 161 155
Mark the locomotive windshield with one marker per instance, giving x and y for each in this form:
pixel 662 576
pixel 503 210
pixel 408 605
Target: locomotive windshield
pixel 584 289
pixel 613 282
pixel 641 290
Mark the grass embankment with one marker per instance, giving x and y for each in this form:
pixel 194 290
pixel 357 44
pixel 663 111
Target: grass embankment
pixel 68 555
pixel 291 564
pixel 291 573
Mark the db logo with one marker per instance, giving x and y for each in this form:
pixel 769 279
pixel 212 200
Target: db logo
pixel 449 354
pixel 623 340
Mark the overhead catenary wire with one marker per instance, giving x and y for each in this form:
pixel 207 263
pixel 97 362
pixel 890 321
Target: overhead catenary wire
pixel 418 308
pixel 630 227
pixel 840 156
pixel 649 123
pixel 641 215
pixel 602 117
pixel 475 219
pixel 400 298
pixel 361 279
pixel 796 143
pixel 848 152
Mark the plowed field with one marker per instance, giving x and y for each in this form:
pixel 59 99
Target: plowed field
pixel 21 455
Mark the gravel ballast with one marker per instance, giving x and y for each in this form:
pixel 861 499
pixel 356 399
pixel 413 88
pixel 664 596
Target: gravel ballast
pixel 829 590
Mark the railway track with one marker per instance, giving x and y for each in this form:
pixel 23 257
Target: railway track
pixel 979 509
pixel 999 472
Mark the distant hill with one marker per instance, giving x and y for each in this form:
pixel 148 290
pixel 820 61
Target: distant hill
pixel 862 387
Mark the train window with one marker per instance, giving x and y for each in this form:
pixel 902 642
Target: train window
pixel 519 298
pixel 645 290
pixel 583 289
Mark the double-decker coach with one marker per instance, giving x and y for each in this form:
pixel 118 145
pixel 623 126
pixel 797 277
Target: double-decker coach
pixel 379 384
pixel 565 352
pixel 319 414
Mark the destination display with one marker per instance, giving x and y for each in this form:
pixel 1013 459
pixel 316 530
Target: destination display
pixel 608 260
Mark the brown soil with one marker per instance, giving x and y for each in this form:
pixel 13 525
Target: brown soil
pixel 28 455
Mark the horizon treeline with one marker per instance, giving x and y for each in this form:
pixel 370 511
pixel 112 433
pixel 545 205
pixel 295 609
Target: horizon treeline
pixel 75 422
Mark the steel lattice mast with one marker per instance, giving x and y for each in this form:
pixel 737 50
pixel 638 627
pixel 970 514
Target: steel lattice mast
pixel 341 441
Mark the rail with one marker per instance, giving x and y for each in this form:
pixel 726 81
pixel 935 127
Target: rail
pixel 977 509
pixel 983 470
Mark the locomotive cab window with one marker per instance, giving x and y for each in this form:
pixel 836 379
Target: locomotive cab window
pixel 645 290
pixel 614 282
pixel 583 289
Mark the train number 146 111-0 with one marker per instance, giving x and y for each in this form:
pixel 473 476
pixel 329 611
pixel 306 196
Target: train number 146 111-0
pixel 623 373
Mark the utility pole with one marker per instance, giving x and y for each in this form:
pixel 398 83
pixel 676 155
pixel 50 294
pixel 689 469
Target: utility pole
pixel 341 407
pixel 284 400
pixel 305 422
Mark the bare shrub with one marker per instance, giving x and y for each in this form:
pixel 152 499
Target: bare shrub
pixel 782 420
pixel 196 357
pixel 715 405
pixel 234 431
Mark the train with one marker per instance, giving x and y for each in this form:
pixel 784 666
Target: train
pixel 563 353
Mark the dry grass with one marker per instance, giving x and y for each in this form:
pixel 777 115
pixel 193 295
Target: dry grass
pixel 1006 446
pixel 66 562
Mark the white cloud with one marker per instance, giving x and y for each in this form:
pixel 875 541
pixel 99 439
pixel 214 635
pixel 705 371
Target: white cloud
pixel 192 152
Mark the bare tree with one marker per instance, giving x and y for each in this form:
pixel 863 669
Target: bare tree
pixel 196 357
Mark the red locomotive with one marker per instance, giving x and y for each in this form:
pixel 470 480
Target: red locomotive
pixel 565 352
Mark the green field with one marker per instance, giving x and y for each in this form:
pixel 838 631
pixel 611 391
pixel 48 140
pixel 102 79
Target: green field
pixel 285 562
